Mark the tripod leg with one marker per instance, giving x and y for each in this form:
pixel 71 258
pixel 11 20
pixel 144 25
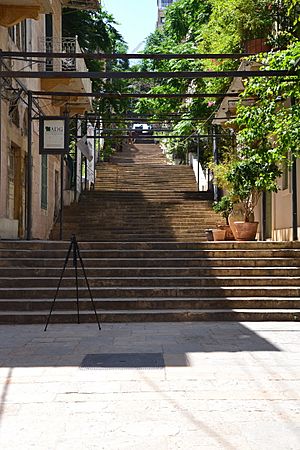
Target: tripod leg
pixel 76 277
pixel 59 283
pixel 88 286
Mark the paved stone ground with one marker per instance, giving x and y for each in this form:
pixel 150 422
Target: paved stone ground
pixel 225 385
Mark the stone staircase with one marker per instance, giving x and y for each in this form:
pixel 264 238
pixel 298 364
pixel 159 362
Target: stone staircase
pixel 152 281
pixel 138 196
pixel 142 242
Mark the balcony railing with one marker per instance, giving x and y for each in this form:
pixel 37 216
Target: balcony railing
pixel 63 45
pixel 67 45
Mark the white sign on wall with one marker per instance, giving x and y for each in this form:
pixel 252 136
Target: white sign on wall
pixel 54 135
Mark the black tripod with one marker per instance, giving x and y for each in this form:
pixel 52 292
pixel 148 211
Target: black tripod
pixel 74 247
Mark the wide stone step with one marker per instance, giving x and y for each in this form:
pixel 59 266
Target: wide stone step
pixel 156 253
pixel 167 292
pixel 70 304
pixel 181 315
pixel 155 245
pixel 152 282
pixel 206 271
pixel 58 262
pixel 19 306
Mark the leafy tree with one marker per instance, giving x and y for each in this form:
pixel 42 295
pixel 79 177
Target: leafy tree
pixel 95 30
pixel 180 34
pixel 269 131
pixel 97 33
pixel 270 125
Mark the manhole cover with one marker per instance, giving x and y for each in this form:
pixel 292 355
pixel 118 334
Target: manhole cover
pixel 123 361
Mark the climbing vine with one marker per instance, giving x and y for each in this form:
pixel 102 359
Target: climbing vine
pixel 270 127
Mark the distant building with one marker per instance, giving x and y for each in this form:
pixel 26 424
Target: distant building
pixel 161 6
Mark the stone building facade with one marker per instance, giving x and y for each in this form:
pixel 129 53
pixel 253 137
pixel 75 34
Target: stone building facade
pixel 31 26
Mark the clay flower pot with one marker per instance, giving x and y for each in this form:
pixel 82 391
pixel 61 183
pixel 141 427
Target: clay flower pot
pixel 219 235
pixel 229 236
pixel 245 231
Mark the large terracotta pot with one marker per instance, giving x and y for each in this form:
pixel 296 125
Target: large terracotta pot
pixel 245 231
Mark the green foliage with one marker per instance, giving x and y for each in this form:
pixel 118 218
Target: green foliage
pixel 270 127
pixel 184 19
pixel 248 178
pixel 234 21
pixel 95 29
pixel 181 33
pixel 210 26
pixel 224 207
pixel 269 130
pixel 96 32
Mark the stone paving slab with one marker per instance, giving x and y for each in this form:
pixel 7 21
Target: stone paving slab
pixel 233 386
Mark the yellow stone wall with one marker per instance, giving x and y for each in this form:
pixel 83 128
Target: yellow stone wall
pixel 12 195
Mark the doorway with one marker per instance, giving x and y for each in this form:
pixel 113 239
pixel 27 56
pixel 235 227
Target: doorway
pixel 16 187
pixel 269 215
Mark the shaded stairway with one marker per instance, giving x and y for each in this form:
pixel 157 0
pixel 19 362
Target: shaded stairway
pixel 138 196
pixel 141 232
pixel 152 281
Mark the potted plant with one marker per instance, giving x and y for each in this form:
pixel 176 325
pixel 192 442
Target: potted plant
pixel 225 208
pixel 249 177
pixel 219 234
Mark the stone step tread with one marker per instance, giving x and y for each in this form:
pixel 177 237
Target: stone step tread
pixel 160 288
pixel 154 299
pixel 210 245
pixel 227 252
pixel 184 277
pixel 37 258
pixel 151 269
pixel 156 311
pixel 256 272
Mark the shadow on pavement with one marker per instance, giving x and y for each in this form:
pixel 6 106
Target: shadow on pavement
pixel 68 345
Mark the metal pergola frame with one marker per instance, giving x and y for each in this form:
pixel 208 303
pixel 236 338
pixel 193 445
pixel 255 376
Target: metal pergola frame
pixel 5 73
pixel 133 95
pixel 142 75
pixel 125 56
pixel 149 136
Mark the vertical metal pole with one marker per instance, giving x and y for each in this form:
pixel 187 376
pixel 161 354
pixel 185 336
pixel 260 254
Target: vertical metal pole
pixel 85 173
pixel 294 191
pixel 75 173
pixel 1 85
pixel 61 197
pixel 29 167
pixel 75 161
pixel 215 159
pixel 198 161
pixel 264 216
pixel 81 166
pixel 294 200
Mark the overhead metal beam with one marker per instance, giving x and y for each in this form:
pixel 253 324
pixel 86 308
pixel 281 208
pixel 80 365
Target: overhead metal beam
pixel 149 136
pixel 121 130
pixel 133 95
pixel 109 56
pixel 138 75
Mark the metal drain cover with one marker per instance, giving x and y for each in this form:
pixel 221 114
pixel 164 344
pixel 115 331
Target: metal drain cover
pixel 123 361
